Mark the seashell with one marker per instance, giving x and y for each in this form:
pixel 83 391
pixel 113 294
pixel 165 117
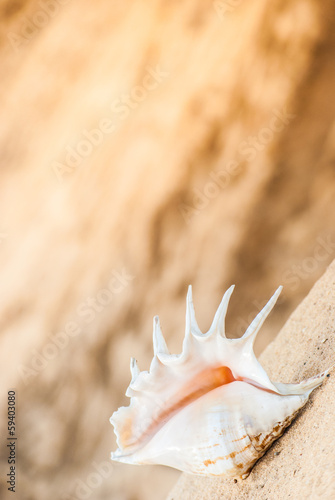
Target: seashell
pixel 210 410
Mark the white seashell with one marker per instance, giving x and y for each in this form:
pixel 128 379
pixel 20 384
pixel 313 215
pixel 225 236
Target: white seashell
pixel 210 410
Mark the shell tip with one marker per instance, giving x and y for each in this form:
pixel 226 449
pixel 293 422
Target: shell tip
pixel 218 323
pixel 134 369
pixel 256 324
pixel 159 343
pixel 191 322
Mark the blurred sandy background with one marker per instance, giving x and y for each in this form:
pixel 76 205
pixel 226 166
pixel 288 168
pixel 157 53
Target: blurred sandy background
pixel 144 146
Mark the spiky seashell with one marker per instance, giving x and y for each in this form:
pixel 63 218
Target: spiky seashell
pixel 210 410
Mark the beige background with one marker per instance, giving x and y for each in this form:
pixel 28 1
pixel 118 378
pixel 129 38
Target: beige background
pixel 219 170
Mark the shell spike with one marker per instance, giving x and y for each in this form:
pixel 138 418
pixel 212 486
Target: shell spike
pixel 159 343
pixel 220 315
pixel 304 387
pixel 191 322
pixel 256 324
pixel 134 369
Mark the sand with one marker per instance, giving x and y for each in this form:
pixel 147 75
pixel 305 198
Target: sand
pixel 301 464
